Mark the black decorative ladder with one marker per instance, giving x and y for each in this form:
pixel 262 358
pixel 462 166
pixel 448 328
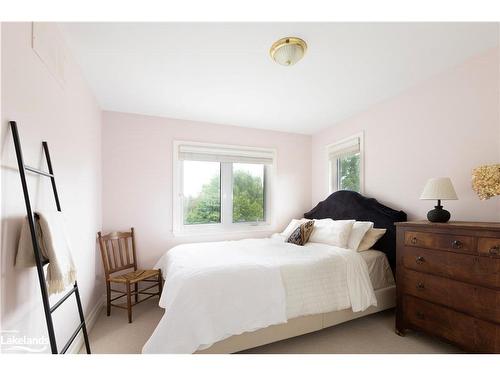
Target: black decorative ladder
pixel 38 257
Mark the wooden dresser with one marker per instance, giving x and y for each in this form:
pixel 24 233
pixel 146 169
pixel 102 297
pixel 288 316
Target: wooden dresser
pixel 448 282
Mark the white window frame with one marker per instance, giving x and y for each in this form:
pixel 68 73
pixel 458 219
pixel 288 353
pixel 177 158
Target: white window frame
pixel 332 182
pixel 226 224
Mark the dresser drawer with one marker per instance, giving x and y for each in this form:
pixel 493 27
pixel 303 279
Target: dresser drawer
pixel 423 260
pixel 487 336
pixel 489 246
pixel 480 302
pixel 440 241
pixel 466 331
pixel 479 270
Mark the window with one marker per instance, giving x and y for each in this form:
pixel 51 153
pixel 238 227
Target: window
pixel 346 164
pixel 221 187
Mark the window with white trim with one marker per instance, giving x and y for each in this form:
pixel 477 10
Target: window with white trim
pixel 219 187
pixel 345 160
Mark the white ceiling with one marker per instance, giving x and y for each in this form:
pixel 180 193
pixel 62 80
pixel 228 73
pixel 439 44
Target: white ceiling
pixel 222 72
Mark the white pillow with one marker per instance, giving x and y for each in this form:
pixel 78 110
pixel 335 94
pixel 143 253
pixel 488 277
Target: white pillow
pixel 294 224
pixel 332 232
pixel 370 238
pixel 358 231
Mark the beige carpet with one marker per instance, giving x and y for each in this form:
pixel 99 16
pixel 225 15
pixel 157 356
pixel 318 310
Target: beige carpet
pixel 370 334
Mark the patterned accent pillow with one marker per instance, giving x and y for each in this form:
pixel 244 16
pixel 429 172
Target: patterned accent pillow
pixel 301 235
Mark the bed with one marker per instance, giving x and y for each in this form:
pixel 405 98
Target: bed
pixel 225 297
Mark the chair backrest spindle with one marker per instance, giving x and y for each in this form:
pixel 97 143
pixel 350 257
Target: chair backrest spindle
pixel 117 251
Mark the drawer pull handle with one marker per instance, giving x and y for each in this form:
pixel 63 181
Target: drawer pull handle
pixel 413 240
pixel 495 250
pixel 419 259
pixel 420 315
pixel 420 286
pixel 456 244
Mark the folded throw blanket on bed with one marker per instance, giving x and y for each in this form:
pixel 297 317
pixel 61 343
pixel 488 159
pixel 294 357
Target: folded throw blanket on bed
pixel 54 245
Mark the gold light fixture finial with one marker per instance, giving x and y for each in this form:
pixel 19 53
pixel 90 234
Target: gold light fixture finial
pixel 288 51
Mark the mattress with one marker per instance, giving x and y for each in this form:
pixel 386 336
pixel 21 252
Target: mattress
pixel 378 268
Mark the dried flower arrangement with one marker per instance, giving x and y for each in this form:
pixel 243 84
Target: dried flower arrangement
pixel 486 181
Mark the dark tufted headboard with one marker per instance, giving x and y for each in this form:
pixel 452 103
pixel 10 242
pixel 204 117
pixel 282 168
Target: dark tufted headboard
pixel 344 205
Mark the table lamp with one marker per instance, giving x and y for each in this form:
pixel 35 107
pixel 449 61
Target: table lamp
pixel 439 188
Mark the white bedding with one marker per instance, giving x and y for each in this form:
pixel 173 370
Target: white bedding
pixel 219 289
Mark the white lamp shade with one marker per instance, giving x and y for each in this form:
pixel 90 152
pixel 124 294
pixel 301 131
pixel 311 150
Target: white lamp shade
pixel 439 188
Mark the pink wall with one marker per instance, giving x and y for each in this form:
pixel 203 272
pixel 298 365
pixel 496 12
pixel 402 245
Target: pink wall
pixel 137 175
pixel 68 117
pixel 443 127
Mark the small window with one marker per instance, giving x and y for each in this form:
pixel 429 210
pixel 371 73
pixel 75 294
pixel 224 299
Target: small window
pixel 346 164
pixel 221 187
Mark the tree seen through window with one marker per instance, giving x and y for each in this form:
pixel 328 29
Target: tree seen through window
pixel 202 193
pixel 348 172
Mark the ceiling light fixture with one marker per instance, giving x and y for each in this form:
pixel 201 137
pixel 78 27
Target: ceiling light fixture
pixel 287 51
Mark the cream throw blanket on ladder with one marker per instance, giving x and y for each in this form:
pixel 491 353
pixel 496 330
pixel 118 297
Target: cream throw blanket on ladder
pixel 54 245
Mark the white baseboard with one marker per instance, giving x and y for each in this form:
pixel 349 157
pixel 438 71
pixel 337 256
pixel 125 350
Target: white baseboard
pixel 90 320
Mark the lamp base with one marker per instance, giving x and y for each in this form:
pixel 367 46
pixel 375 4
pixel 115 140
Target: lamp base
pixel 438 215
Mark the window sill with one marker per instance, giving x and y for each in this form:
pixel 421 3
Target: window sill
pixel 224 231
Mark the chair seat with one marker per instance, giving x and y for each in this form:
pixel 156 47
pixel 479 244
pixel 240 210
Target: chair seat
pixel 134 276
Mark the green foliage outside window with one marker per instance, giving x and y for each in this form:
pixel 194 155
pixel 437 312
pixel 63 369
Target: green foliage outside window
pixel 248 201
pixel 248 197
pixel 348 172
pixel 204 208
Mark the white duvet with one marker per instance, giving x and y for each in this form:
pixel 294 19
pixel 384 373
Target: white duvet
pixel 218 289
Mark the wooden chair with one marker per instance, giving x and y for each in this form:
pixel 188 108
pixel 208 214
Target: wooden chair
pixel 118 255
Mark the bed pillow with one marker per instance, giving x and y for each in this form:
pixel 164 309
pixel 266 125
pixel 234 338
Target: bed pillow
pixel 358 231
pixel 371 237
pixel 301 235
pixel 332 232
pixel 294 224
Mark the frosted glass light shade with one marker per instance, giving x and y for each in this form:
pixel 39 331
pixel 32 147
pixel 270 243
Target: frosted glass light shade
pixel 288 51
pixel 439 188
